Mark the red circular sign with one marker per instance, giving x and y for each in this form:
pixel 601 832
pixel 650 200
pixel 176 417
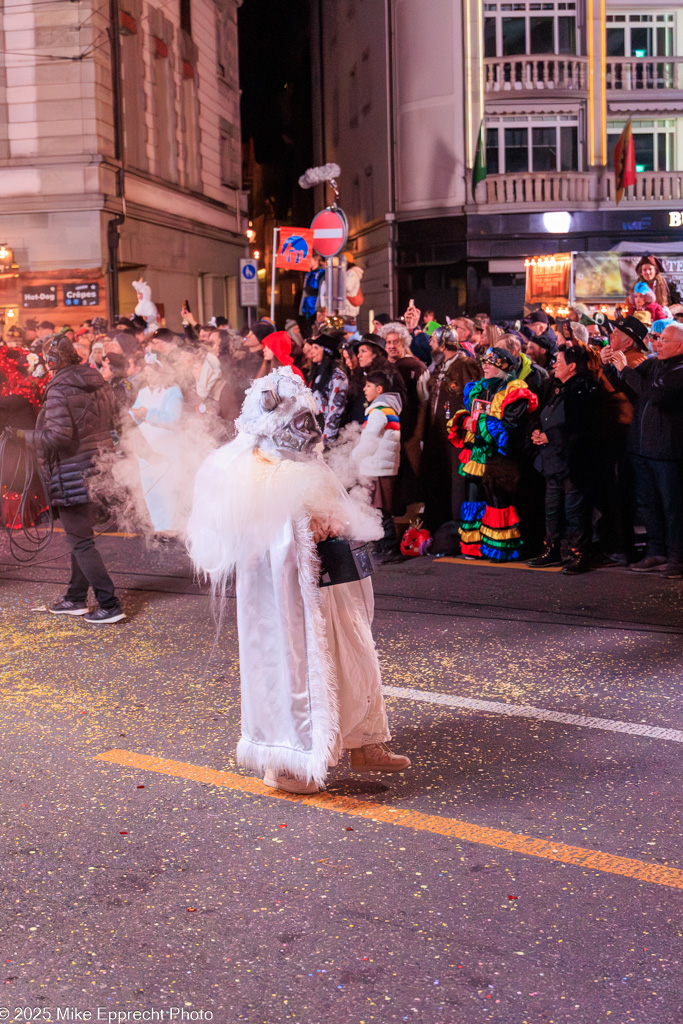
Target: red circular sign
pixel 329 232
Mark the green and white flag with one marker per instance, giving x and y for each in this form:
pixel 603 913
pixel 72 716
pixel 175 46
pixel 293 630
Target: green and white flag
pixel 479 169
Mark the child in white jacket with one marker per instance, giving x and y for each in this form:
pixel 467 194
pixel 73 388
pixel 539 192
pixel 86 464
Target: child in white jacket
pixel 378 453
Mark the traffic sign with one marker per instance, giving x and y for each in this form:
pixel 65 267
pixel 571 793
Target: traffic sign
pixel 329 231
pixel 295 249
pixel 248 283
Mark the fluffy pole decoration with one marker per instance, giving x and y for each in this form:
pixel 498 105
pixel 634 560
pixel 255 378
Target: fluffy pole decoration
pixel 319 175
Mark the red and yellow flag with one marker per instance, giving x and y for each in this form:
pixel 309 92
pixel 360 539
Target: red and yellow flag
pixel 624 161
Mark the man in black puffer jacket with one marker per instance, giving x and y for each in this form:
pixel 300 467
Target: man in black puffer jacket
pixel 74 424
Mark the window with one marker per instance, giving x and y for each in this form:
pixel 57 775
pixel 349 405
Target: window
pixel 541 35
pixel 653 142
pixel 569 148
pixel 492 151
pixel 490 48
pixel 516 29
pixel 226 46
pixel 544 149
pixel 133 86
pixel 230 154
pixel 514 36
pixel 190 127
pixel 516 150
pixel 164 98
pixel 186 16
pixel 537 143
pixel 189 112
pixel 640 35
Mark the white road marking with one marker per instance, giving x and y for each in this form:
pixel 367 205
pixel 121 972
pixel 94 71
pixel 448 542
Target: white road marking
pixel 541 714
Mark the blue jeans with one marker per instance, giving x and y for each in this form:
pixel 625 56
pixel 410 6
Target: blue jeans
pixel 659 483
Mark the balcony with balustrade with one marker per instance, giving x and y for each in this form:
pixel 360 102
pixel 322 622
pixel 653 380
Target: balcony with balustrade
pixel 575 190
pixel 644 75
pixel 549 74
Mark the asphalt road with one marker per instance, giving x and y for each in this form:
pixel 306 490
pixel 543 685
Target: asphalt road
pixel 527 870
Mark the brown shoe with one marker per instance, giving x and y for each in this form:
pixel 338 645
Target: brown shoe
pixel 289 783
pixel 377 757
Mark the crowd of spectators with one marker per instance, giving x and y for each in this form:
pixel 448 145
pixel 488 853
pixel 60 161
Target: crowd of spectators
pixel 555 441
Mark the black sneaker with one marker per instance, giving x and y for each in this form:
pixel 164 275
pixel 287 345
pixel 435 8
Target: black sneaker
pixel 68 607
pixel 105 615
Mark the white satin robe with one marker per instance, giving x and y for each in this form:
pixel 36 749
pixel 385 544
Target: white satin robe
pixel 310 677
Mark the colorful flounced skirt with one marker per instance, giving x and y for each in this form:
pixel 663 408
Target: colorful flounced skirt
pixel 488 532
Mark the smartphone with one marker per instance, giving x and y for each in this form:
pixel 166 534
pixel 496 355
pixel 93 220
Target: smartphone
pixel 411 304
pixel 186 304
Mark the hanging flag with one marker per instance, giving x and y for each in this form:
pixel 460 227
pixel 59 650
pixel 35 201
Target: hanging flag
pixel 624 161
pixel 295 249
pixel 479 169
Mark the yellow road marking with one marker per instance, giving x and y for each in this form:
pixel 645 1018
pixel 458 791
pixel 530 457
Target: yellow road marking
pixel 498 565
pixel 107 533
pixel 452 828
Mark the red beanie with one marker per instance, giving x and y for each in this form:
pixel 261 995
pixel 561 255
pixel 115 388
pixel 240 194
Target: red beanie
pixel 280 344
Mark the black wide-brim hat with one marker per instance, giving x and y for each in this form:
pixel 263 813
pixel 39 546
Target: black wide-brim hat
pixel 633 328
pixel 373 340
pixel 330 342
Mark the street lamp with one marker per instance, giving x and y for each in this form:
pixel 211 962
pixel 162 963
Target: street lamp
pixel 557 222
pixel 6 258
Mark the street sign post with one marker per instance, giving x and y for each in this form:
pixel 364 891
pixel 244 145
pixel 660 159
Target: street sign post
pixel 330 229
pixel 249 284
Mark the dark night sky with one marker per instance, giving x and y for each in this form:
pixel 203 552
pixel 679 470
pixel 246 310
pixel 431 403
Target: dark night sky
pixel 275 79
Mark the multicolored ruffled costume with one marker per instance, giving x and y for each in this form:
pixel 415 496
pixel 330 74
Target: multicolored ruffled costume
pixel 489 528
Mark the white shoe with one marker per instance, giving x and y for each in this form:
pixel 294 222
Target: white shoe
pixel 377 757
pixel 289 783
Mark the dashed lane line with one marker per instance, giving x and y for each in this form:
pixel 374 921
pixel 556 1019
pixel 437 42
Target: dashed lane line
pixel 540 714
pixel 452 828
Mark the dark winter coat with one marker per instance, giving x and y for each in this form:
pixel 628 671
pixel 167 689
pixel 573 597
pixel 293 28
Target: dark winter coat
pixel 569 421
pixel 411 369
pixel 446 386
pixel 75 422
pixel 656 390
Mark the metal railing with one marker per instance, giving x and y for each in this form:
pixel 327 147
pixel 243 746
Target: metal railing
pixel 643 74
pixel 550 73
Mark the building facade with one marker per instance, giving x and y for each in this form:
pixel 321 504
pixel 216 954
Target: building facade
pixel 119 157
pixel 406 87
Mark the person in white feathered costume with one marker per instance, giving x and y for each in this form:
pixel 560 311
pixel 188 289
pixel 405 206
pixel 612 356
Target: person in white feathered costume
pixel 310 678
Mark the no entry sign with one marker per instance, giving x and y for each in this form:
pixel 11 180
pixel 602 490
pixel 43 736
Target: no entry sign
pixel 329 232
